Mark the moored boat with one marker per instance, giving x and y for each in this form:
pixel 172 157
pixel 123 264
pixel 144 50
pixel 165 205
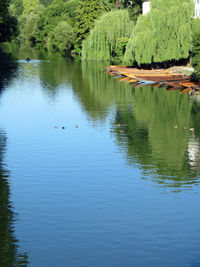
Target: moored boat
pixel 173 80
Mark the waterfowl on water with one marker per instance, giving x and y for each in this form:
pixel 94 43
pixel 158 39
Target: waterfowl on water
pixel 28 59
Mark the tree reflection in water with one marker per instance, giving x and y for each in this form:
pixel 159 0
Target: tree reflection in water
pixel 155 124
pixel 9 254
pixel 158 136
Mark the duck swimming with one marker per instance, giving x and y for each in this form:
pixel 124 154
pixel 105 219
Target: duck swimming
pixel 28 59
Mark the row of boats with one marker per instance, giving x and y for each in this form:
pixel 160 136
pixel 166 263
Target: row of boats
pixel 139 77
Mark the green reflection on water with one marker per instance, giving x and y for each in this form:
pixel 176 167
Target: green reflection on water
pixel 9 254
pixel 154 129
pixel 9 250
pixel 152 137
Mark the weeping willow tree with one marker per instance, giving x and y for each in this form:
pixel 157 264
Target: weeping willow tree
pixel 104 39
pixel 196 48
pixel 164 34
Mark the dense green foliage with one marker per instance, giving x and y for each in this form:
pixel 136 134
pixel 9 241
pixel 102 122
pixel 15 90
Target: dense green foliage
pixel 3 17
pixel 196 47
pixel 16 8
pixel 7 22
pixel 29 32
pixel 104 29
pixel 196 53
pixel 56 12
pixel 86 13
pixel 46 2
pixel 134 7
pixel 30 6
pixel 163 34
pixel 61 37
pixel 108 39
pixel 63 25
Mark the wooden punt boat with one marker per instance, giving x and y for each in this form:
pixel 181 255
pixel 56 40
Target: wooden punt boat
pixel 135 70
pixel 124 79
pixel 132 81
pixel 174 83
pixel 131 76
pixel 162 78
pixel 116 67
pixel 190 84
pixel 185 90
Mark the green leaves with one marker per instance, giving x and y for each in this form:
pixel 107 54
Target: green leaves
pixel 163 34
pixel 7 22
pixel 196 47
pixel 103 41
pixel 29 32
pixel 30 6
pixel 86 14
pixel 61 37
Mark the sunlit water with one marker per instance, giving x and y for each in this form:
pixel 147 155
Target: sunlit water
pixel 118 186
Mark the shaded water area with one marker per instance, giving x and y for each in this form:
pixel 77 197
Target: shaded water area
pixel 118 186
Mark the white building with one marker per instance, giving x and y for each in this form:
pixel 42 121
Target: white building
pixel 146 7
pixel 197 9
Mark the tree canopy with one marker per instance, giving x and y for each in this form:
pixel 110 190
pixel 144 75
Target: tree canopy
pixel 104 39
pixel 6 21
pixel 133 6
pixel 86 13
pixel 104 29
pixel 163 34
pixel 196 47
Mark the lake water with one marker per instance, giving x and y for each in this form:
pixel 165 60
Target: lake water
pixel 118 186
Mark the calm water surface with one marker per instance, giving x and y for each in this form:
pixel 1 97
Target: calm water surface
pixel 118 186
